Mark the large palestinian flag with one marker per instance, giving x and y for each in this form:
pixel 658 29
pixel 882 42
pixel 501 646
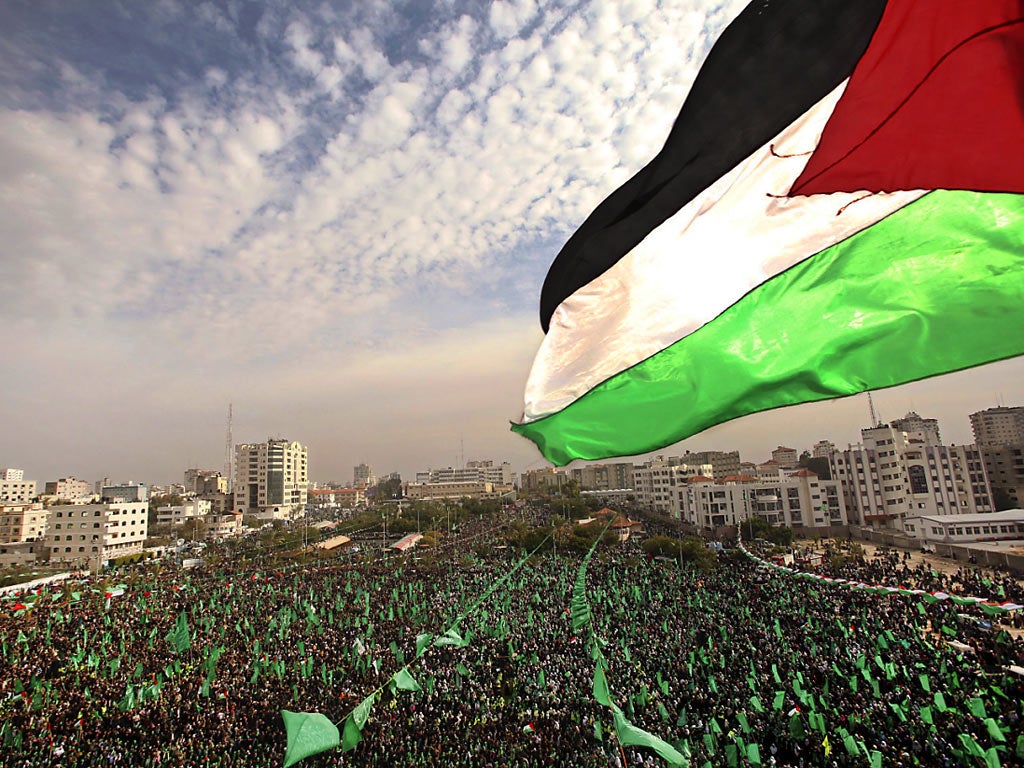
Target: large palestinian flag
pixel 839 207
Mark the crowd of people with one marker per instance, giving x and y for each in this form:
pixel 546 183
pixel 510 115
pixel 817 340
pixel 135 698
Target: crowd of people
pixel 729 667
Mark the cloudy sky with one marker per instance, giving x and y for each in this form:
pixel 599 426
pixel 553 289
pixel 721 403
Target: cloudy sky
pixel 336 216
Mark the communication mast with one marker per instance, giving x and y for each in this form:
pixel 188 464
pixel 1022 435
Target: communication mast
pixel 875 421
pixel 229 464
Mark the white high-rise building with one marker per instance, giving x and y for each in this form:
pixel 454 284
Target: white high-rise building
pixel 798 499
pixel 271 479
pixel 895 474
pixel 999 426
pixel 656 483
pixel 999 435
pixel 85 533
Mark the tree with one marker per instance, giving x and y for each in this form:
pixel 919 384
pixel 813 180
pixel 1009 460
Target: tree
pixel 388 489
pixel 689 550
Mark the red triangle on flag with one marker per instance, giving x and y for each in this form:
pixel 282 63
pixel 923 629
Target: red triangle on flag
pixel 934 103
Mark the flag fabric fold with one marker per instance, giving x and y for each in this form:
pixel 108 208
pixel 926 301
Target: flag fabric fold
pixel 866 230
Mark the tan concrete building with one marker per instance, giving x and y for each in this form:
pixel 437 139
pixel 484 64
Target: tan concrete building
pixel 82 534
pixel 22 522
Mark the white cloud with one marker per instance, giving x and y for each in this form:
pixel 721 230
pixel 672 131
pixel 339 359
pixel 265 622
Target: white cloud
pixel 508 17
pixel 271 241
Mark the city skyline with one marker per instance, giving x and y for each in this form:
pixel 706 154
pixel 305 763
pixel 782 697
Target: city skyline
pixel 336 218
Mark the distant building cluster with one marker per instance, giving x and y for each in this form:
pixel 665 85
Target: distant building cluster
pixel 900 478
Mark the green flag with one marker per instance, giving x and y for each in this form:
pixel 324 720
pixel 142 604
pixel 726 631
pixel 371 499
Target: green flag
pixel 630 735
pixel 994 731
pixel 601 687
pixel 755 703
pixel 992 758
pixel 309 733
pixel 422 642
pixel 977 708
pixel 972 747
pixel 742 718
pixel 179 637
pixel 404 681
pixel 780 699
pixel 753 754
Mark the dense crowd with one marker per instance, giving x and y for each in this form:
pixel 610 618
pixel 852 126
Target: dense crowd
pixel 711 662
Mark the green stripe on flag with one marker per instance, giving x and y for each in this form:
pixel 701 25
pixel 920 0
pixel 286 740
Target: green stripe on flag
pixel 948 266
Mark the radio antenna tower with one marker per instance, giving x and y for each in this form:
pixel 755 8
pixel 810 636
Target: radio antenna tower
pixel 875 421
pixel 229 465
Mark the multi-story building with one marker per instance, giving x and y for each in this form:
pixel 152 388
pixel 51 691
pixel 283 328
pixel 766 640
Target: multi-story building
pixel 786 457
pixel 15 488
pixel 271 479
pixel 999 426
pixel 723 463
pixel 363 477
pixel 823 449
pixel 125 492
pixel 800 500
pixel 83 534
pixel 894 474
pixel 656 482
pixel 999 435
pixel 203 482
pixel 543 480
pixel 474 472
pixel 469 489
pixel 604 477
pixel 915 423
pixel 223 526
pixel 69 489
pixel 22 521
pixel 180 514
pixel 491 472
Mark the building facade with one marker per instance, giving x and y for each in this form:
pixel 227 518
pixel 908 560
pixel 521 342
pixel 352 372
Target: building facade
pixel 604 477
pixel 22 521
pixel 893 474
pixel 966 529
pixel 204 482
pixel 271 479
pixel 801 501
pixel 999 426
pixel 723 463
pixel 999 435
pixel 125 492
pixel 363 477
pixel 460 489
pixel 82 534
pixel 546 480
pixel 69 488
pixel 656 483
pixel 15 488
pixel 787 458
pixel 183 513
